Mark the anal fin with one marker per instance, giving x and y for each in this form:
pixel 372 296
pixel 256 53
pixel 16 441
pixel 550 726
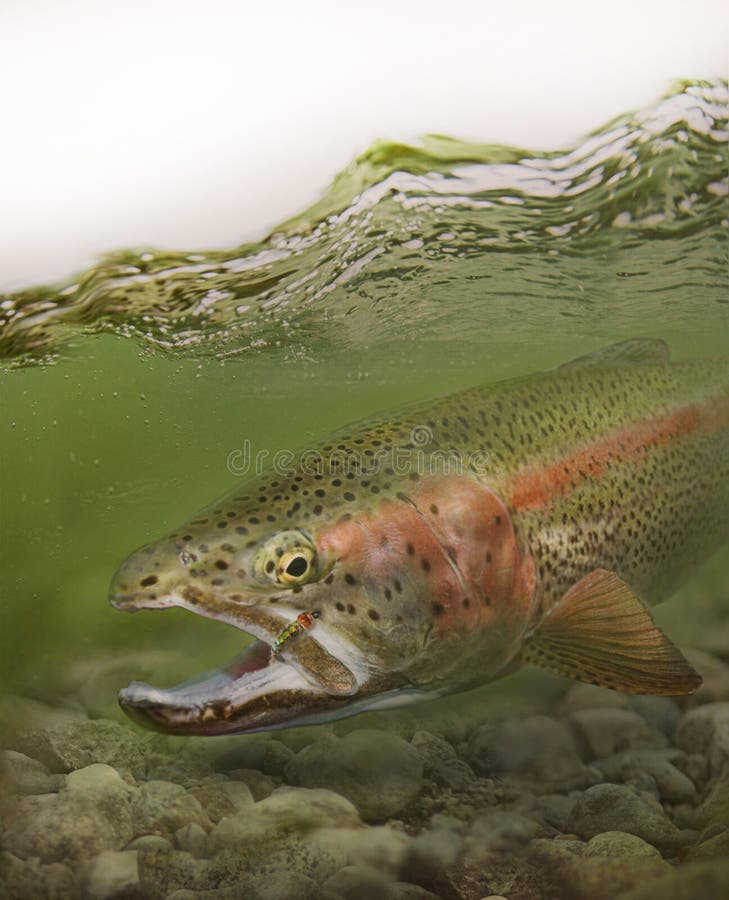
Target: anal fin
pixel 601 633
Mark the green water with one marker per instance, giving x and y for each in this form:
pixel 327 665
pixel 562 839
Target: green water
pixel 423 270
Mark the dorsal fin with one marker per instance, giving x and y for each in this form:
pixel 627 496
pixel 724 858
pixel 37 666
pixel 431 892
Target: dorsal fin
pixel 635 352
pixel 601 633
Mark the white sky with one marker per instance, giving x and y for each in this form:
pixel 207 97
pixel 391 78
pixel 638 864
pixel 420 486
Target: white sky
pixel 186 124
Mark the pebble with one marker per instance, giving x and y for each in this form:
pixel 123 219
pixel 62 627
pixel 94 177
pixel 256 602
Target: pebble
pixel 161 807
pixel 614 807
pixel 75 744
pixel 268 756
pixel 379 847
pixel 258 784
pixel 31 880
pixel 286 811
pixel 440 761
pixel 620 843
pixel 692 881
pixel 90 814
pixel 604 732
pixel 111 875
pixel 705 730
pixel 223 798
pixel 539 747
pixel 671 783
pixel 357 883
pixel 378 772
pixel 193 839
pixel 28 776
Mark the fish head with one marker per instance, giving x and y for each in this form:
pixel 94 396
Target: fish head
pixel 375 600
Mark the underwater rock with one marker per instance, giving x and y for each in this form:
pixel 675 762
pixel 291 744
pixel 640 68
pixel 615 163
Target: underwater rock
pixel 73 745
pixel 398 722
pixel 162 872
pixel 282 884
pixel 112 874
pixel 161 807
pixel 149 842
pixel 673 786
pixel 714 809
pixel 27 776
pixel 92 813
pixel 604 732
pixel 357 883
pixel 661 713
pixel 223 798
pixel 620 843
pixel 693 881
pixel 591 696
pixel 260 785
pixel 378 772
pixel 705 730
pixel 539 747
pixel 596 870
pixel 193 839
pixel 713 843
pixel 30 880
pixel 268 756
pixel 614 807
pixel 556 808
pixel 379 847
pixel 440 761
pixel 287 811
pixel 715 673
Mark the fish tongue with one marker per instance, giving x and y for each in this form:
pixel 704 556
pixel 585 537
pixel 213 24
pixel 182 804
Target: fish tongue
pixel 319 666
pixel 255 656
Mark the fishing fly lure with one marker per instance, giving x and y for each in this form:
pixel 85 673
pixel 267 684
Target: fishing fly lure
pixel 303 621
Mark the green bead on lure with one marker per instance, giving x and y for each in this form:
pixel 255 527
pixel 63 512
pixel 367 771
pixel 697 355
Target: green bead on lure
pixel 533 523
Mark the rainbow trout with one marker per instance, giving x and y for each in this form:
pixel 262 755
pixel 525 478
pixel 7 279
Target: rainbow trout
pixel 430 551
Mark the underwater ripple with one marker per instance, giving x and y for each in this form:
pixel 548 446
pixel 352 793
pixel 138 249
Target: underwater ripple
pixel 448 237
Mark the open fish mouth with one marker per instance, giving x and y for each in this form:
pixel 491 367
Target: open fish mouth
pixel 260 689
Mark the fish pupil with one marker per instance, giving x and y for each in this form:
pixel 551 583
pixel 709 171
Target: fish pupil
pixel 297 567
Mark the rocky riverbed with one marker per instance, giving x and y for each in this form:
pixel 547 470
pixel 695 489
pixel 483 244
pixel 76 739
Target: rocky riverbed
pixel 540 790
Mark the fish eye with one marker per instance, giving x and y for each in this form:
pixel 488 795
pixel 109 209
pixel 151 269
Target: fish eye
pixel 287 558
pixel 295 566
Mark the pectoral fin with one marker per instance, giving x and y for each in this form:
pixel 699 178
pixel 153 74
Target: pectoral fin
pixel 601 633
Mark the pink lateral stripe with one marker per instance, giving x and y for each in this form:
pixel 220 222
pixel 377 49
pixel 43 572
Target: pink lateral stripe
pixel 533 487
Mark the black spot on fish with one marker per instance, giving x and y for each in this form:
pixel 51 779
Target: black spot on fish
pixel 149 580
pixel 434 509
pixel 340 606
pixel 348 495
pixel 270 566
pixel 373 614
pixel 350 609
pixel 350 579
pixel 221 564
pixel 398 586
pixel 487 601
pixel 241 529
pixel 498 520
pixel 488 556
pixel 438 608
pixel 187 537
pixel 410 549
pixel 230 515
pixel 388 594
pixel 253 520
pixel 466 602
pixel 329 579
pixel 222 524
pixel 199 522
pixel 425 563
